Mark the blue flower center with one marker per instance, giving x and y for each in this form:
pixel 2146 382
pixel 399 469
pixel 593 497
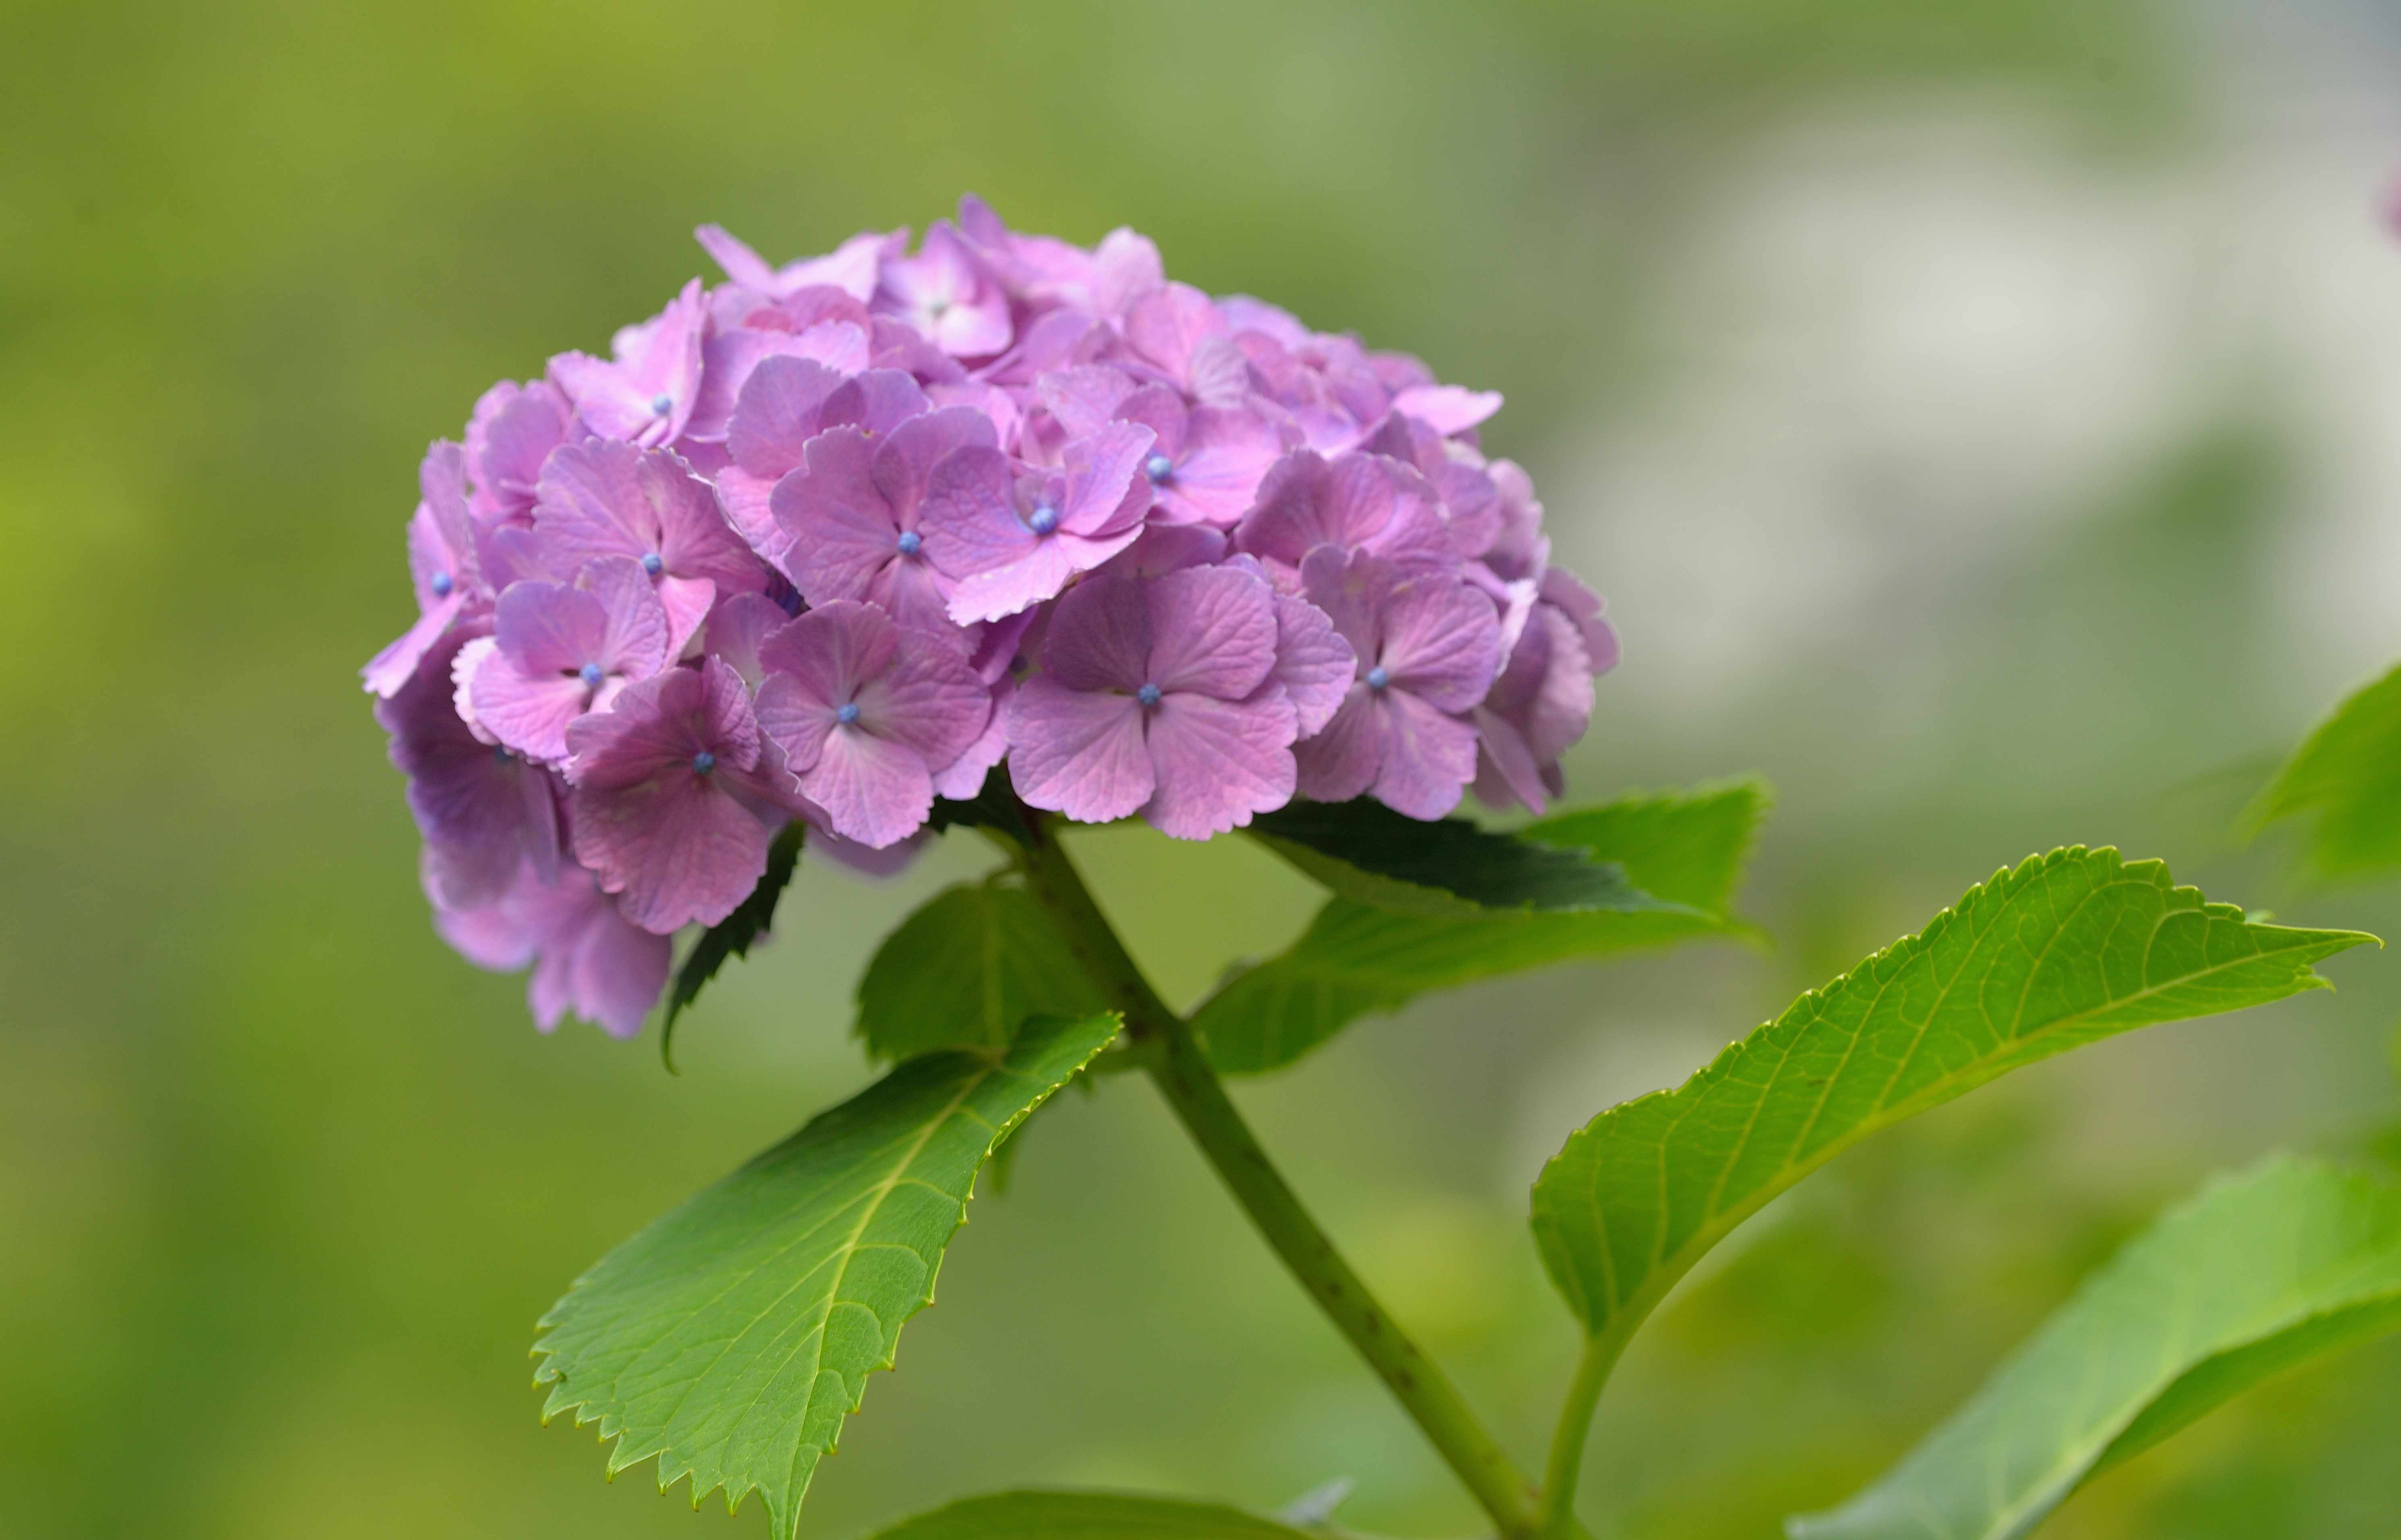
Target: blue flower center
pixel 1378 677
pixel 1159 467
pixel 662 405
pixel 704 761
pixel 653 563
pixel 590 675
pixel 1043 519
pixel 442 584
pixel 1149 694
pixel 909 542
pixel 846 713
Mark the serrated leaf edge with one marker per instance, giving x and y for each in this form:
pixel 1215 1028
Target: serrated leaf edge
pixel 611 1426
pixel 1722 1222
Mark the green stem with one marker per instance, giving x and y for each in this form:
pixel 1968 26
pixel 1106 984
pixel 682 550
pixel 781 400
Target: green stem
pixel 1186 1078
pixel 1566 1461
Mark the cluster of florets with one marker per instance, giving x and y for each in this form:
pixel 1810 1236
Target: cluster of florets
pixel 832 540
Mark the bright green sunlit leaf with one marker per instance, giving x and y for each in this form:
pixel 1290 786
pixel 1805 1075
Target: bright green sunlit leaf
pixel 731 1337
pixel 2256 1274
pixel 2066 949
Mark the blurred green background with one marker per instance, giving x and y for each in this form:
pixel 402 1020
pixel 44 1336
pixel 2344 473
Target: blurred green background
pixel 1981 417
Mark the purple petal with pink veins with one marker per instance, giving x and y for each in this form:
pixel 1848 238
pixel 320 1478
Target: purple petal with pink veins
pixel 512 433
pixel 1169 547
pixel 1220 374
pixel 832 650
pixel 604 969
pixel 748 502
pixel 994 645
pixel 640 634
pixel 877 400
pixel 1563 588
pixel 1085 399
pixel 461 791
pixel 391 669
pixel 875 792
pixel 912 591
pixel 1429 757
pixel 1340 761
pixel 1076 752
pixel 462 681
pixel 1167 326
pixel 737 629
pixel 1103 470
pixel 904 462
pixel 677 849
pixel 1037 573
pixel 1219 762
pixel 441 482
pixel 1213 632
pixel 963 777
pixel 969 518
pixel 926 698
pixel 685 602
pixel 1313 664
pixel 1125 269
pixel 551 627
pixel 795 718
pixel 1448 409
pixel 728 360
pixel 529 711
pixel 645 395
pixel 1100 636
pixel 1441 642
pixel 780 408
pixel 842 530
pixel 1218 472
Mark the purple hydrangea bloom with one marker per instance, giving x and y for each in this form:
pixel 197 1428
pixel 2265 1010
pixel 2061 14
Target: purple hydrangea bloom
pixel 677 796
pixel 868 713
pixel 855 515
pixel 1014 537
pixel 645 395
pixel 1427 647
pixel 1540 703
pixel 1353 502
pixel 852 266
pixel 586 958
pixel 834 538
pixel 442 567
pixel 484 811
pixel 510 432
pixel 1157 696
pixel 599 500
pixel 946 297
pixel 560 650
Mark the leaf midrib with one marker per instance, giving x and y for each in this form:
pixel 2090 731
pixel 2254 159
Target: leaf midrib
pixel 1721 1222
pixel 874 1199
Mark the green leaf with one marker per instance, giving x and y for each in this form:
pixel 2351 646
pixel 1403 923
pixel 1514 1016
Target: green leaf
pixel 732 1336
pixel 1365 851
pixel 2349 775
pixel 2258 1274
pixel 966 969
pixel 732 936
pixel 2067 949
pixel 1682 850
pixel 1085 1515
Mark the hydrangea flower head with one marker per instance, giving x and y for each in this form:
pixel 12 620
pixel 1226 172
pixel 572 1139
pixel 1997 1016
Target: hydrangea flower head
pixel 833 538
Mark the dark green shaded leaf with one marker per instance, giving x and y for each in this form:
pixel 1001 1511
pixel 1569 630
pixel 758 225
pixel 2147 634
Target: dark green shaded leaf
pixel 2348 774
pixel 731 1337
pixel 2067 949
pixel 1683 850
pixel 2256 1275
pixel 1365 851
pixel 973 964
pixel 732 936
pixel 1085 1515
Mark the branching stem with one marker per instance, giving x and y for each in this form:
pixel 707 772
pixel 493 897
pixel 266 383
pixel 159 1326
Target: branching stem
pixel 1186 1078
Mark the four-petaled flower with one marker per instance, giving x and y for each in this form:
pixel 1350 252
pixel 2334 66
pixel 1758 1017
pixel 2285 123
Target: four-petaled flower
pixel 559 649
pixel 868 713
pixel 1014 537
